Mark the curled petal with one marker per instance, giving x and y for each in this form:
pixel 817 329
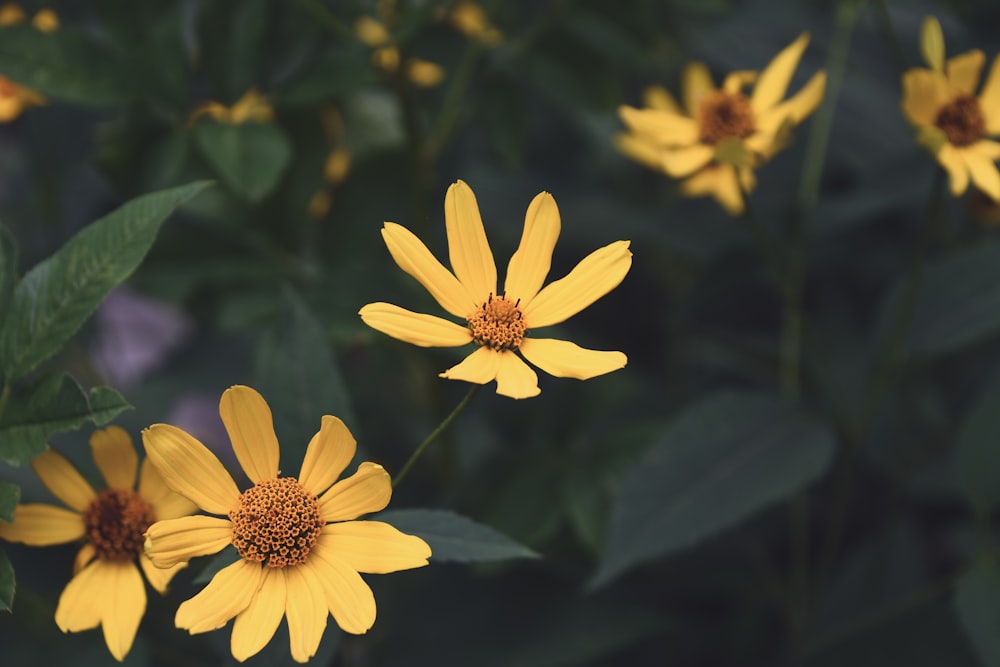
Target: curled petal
pixel 414 328
pixel 179 540
pixel 564 359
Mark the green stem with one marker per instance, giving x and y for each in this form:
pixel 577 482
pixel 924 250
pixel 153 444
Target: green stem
pixel 422 447
pixel 451 107
pixel 327 19
pixel 4 396
pixel 885 20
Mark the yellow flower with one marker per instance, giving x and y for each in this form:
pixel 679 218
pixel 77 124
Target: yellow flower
pixel 251 107
pixel 469 18
pixel 952 123
pixel 300 548
pixel 15 98
pixel 106 588
pixel 386 57
pixel 720 135
pixel 498 324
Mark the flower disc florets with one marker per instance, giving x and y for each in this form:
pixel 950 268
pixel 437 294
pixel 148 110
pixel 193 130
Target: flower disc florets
pixel 276 523
pixel 498 324
pixel 116 520
pixel 962 121
pixel 724 116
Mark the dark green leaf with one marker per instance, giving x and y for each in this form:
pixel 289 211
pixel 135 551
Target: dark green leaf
pixel 52 404
pixel 977 599
pixel 250 158
pixel 977 456
pixel 57 296
pixel 6 583
pixel 455 538
pixel 722 460
pixel 8 271
pixel 337 74
pixel 10 496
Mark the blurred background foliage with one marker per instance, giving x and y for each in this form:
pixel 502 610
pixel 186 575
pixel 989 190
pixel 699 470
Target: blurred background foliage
pixel 683 510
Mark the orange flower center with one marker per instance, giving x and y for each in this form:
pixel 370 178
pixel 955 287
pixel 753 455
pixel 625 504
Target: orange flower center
pixel 725 115
pixel 276 523
pixel 962 121
pixel 116 520
pixel 498 324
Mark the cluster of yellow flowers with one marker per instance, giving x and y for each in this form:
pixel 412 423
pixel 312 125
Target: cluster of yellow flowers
pixel 15 98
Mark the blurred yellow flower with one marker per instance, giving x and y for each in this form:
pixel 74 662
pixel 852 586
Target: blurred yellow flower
pixel 720 135
pixel 498 323
pixel 106 588
pixel 952 122
pixel 469 18
pixel 386 57
pixel 301 551
pixel 251 107
pixel 15 98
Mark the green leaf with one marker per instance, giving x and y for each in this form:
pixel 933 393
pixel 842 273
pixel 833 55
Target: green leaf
pixel 335 75
pixel 976 457
pixel 455 538
pixel 6 583
pixel 719 462
pixel 57 296
pixel 977 600
pixel 10 496
pixel 8 271
pixel 52 404
pixel 250 158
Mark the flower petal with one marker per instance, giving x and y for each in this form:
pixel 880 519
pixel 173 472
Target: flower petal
pixel 988 149
pixel 414 328
pixel 564 359
pixel 347 595
pixel 479 367
pixel 719 182
pixel 640 149
pixel 166 504
pixel 682 162
pixel 124 604
pixel 468 249
pixel 964 69
pixel 515 378
pixel 374 547
pixel 179 540
pixel 530 264
pixel 115 456
pixel 989 99
pixel 666 128
pixel 658 97
pixel 63 480
pixel 924 93
pixel 983 171
pixel 958 173
pixel 367 490
pixel 251 430
pixel 226 595
pixel 696 83
pixel 190 469
pixel 307 611
pixel 327 456
pixel 736 81
pixel 773 81
pixel 40 525
pixel 796 108
pixel 411 255
pixel 81 604
pixel 159 577
pixel 256 624
pixel 86 554
pixel 596 275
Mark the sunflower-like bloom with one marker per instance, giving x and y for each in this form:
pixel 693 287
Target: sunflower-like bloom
pixel 251 107
pixel 299 546
pixel 106 588
pixel 951 121
pixel 498 323
pixel 716 140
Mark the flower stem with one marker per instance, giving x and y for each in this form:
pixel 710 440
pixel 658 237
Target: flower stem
pixel 435 434
pixel 4 396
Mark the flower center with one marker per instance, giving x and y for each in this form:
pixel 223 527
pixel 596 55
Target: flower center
pixel 276 523
pixel 6 87
pixel 725 115
pixel 116 520
pixel 498 324
pixel 962 121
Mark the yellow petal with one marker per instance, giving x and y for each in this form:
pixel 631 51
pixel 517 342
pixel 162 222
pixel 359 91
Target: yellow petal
pixel 45 20
pixel 924 93
pixel 424 73
pixel 39 525
pixel 82 601
pixel 374 547
pixel 564 359
pixel 411 255
pixel 664 127
pixel 719 182
pixel 685 161
pixel 639 149
pixel 658 97
pixel 86 554
pixel 989 99
pixel 958 173
pixel 159 577
pixel 370 31
pixel 173 541
pixel 796 108
pixel 696 83
pixel 468 249
pixel 596 275
pixel 414 328
pixel 327 456
pixel 988 149
pixel 256 624
pixel 736 81
pixel 166 504
pixel 530 264
pixel 226 595
pixel 115 456
pixel 367 490
pixel 983 171
pixel 307 611
pixel 347 595
pixel 964 69
pixel 63 480
pixel 123 605
pixel 479 367
pixel 515 378
pixel 190 469
pixel 932 43
pixel 251 430
pixel 773 81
